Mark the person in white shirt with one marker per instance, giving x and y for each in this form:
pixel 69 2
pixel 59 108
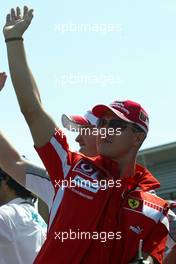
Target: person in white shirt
pixel 22 229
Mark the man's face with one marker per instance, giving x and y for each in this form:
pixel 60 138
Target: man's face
pixel 118 144
pixel 87 141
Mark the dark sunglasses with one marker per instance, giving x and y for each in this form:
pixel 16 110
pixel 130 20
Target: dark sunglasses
pixel 115 123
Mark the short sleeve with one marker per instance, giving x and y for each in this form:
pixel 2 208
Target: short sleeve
pixel 156 243
pixel 56 157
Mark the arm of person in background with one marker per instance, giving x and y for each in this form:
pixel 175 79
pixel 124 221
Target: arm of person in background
pixel 42 127
pixel 27 174
pixel 10 160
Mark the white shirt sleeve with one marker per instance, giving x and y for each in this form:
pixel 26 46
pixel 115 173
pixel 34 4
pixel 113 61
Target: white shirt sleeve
pixel 38 182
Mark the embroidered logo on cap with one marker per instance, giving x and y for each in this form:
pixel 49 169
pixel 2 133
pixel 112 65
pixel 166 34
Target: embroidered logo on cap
pixel 120 105
pixel 143 117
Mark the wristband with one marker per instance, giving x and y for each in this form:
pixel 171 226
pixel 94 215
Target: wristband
pixel 13 39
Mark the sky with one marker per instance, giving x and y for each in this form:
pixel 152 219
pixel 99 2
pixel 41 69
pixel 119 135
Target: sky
pixel 83 53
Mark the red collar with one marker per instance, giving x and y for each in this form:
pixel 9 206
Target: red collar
pixel 142 177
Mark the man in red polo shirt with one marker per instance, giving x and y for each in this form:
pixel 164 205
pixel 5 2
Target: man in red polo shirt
pixel 102 207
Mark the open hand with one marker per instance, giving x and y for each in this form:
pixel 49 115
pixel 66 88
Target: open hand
pixel 17 23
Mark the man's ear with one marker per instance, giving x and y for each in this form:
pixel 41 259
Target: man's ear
pixel 6 179
pixel 140 137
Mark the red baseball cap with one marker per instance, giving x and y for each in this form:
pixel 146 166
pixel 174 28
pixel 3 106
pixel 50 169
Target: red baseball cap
pixel 75 121
pixel 128 111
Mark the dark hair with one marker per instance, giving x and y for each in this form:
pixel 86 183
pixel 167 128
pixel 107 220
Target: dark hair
pixel 137 128
pixel 19 190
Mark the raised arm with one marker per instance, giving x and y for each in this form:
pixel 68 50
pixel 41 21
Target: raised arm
pixel 27 174
pixel 11 162
pixel 41 125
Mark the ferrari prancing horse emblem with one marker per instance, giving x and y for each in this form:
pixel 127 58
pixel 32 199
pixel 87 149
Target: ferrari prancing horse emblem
pixel 133 203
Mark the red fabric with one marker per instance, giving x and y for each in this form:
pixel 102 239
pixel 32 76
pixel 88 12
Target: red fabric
pixel 109 210
pixel 81 120
pixel 127 110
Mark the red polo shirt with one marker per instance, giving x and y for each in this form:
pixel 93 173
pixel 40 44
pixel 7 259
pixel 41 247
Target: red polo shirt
pixel 102 225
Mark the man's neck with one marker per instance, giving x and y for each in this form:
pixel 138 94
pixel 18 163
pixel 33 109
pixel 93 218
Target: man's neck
pixel 127 166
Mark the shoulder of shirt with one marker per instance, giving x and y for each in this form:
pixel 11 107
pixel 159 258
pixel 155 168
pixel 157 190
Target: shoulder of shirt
pixel 6 212
pixel 147 195
pixel 12 208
